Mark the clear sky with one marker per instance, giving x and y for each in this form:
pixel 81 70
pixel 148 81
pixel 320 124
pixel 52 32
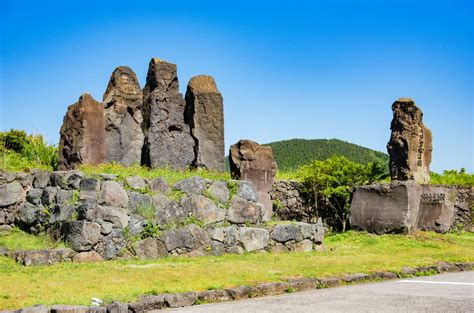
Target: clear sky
pixel 289 69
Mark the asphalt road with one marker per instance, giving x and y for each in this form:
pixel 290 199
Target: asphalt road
pixel 452 292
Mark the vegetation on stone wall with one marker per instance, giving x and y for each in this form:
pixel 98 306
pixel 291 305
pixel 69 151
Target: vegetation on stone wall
pixel 329 183
pixel 19 151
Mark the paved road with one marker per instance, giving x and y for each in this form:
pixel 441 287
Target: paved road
pixel 453 292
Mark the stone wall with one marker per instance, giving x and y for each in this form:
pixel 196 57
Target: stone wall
pixel 106 217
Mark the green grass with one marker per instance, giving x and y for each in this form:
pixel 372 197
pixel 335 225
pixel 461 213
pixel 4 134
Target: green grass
pixel 170 175
pixel 125 280
pixel 19 240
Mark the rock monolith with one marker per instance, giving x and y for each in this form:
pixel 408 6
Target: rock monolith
pixel 168 141
pixel 205 116
pixel 255 163
pixel 82 135
pixel 122 102
pixel 410 143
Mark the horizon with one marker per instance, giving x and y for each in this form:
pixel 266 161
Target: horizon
pixel 309 70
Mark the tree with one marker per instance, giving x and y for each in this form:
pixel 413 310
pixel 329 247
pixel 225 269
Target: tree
pixel 330 183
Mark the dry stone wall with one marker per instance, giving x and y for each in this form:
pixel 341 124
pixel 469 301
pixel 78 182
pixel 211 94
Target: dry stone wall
pixel 106 217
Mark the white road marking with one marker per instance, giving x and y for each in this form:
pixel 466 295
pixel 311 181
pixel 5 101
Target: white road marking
pixel 435 282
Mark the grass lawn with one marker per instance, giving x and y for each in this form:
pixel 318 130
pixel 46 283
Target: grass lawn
pixel 351 252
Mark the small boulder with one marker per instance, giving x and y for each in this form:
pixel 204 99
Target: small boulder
pixel 193 185
pixel 150 248
pixel 82 235
pixel 11 193
pixel 113 194
pixel 254 239
pixel 89 256
pixel 242 211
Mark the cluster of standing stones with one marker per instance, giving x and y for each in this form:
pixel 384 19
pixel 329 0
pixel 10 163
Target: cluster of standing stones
pixel 409 202
pixel 156 126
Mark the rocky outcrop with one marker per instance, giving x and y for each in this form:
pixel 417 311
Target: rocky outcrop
pixel 168 141
pixel 255 163
pixel 82 135
pixel 410 144
pixel 123 102
pixel 205 117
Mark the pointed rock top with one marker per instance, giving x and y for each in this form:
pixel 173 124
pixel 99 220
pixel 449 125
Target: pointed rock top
pixel 203 83
pixel 161 75
pixel 123 81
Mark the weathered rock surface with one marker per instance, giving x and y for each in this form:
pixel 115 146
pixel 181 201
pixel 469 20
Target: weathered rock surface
pixel 89 256
pixel 123 102
pixel 410 143
pixel 253 162
pixel 168 141
pixel 150 248
pixel 113 194
pixel 403 207
pixel 204 209
pixel 82 235
pixel 205 116
pixel 82 139
pixel 242 211
pixel 11 193
pixel 254 238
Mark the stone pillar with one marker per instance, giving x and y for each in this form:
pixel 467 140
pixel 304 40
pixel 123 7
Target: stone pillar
pixel 82 135
pixel 253 162
pixel 205 117
pixel 123 101
pixel 168 141
pixel 410 143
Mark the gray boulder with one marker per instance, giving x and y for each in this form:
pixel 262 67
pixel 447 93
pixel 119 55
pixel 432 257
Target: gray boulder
pixel 82 235
pixel 113 194
pixel 247 191
pixel 64 196
pixel 159 184
pixel 49 195
pixel 193 185
pixel 150 248
pixel 61 213
pixel 34 196
pixel 254 239
pixel 188 238
pixel 136 182
pixel 138 201
pixel 89 184
pixel 172 213
pixel 286 232
pixel 11 193
pixel 117 216
pixel 41 179
pixel 219 190
pixel 28 213
pixel 204 209
pixel 242 211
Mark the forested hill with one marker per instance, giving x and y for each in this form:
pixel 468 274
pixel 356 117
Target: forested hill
pixel 293 153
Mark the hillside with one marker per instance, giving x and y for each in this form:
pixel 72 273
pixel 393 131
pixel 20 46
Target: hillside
pixel 293 153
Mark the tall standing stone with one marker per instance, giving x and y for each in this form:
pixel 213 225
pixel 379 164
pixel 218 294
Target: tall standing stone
pixel 123 101
pixel 205 117
pixel 410 143
pixel 168 141
pixel 82 135
pixel 255 163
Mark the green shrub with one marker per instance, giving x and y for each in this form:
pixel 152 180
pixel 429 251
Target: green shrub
pixel 453 177
pixel 329 184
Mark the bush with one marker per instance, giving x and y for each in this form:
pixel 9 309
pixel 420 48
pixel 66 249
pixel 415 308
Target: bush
pixel 453 177
pixel 19 151
pixel 330 182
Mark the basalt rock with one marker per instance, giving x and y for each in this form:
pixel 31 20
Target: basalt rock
pixel 253 162
pixel 82 134
pixel 168 141
pixel 205 116
pixel 410 143
pixel 122 102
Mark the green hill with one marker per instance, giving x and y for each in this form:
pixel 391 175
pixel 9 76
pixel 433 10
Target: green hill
pixel 293 153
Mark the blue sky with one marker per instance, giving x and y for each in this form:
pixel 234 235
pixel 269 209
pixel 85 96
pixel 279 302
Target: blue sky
pixel 289 69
